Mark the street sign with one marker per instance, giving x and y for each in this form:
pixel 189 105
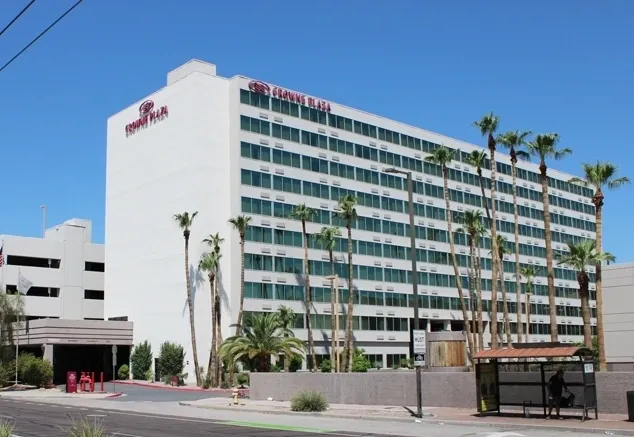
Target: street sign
pixel 420 347
pixel 114 355
pixel 114 349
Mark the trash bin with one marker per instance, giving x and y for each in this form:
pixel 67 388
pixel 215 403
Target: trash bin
pixel 630 405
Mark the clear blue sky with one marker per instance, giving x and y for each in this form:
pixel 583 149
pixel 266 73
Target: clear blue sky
pixel 542 65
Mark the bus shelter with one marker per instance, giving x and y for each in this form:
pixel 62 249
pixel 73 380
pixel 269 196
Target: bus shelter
pixel 519 377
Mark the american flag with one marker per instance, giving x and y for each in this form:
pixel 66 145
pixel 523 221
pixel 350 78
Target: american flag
pixel 2 254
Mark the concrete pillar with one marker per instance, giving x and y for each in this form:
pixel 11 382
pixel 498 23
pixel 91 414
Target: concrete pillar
pixel 48 352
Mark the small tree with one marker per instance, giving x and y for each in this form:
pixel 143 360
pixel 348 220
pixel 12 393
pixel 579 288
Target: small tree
pixel 141 360
pixel 171 359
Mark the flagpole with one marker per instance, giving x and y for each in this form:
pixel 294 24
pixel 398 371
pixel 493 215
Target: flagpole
pixel 17 339
pixel 43 207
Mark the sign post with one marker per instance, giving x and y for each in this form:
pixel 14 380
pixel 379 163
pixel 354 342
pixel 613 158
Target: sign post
pixel 420 347
pixel 114 366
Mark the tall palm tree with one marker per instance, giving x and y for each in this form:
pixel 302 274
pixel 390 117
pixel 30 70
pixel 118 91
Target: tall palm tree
pixel 209 264
pixel 328 239
pixel 478 159
pixel 473 227
pixel 514 140
pixel 286 317
pixel 185 221
pixel 348 213
pixel 581 255
pixel 503 250
pixel 488 126
pixel 443 156
pixel 261 337
pixel 215 240
pixel 529 274
pixel 544 147
pixel 240 224
pixel 598 176
pixel 303 213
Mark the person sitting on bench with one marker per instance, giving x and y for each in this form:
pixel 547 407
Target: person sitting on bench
pixel 556 387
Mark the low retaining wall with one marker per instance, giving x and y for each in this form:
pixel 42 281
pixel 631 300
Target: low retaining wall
pixel 440 389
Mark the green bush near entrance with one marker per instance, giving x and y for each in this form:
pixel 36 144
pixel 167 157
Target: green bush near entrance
pixel 34 371
pixel 123 373
pixel 171 360
pixel 141 360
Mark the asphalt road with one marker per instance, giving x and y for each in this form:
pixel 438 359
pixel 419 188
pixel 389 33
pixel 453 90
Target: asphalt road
pixel 35 420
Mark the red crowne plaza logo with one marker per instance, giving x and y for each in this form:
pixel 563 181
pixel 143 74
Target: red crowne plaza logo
pixel 147 116
pixel 259 87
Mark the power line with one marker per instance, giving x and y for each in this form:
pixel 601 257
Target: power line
pixel 16 17
pixel 61 17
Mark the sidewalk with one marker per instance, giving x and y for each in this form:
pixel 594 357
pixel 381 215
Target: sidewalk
pixel 162 385
pixel 607 423
pixel 55 393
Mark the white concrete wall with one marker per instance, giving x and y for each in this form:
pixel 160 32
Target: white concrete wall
pixel 177 165
pixel 71 243
pixel 618 312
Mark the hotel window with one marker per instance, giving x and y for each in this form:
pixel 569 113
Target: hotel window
pixel 254 99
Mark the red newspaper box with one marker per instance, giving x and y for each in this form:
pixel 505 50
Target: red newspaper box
pixel 71 382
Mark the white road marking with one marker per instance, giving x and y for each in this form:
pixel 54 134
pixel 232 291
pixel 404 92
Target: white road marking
pixel 125 435
pixel 502 434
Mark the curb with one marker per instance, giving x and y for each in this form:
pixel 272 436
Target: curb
pixel 431 419
pixel 114 395
pixel 169 387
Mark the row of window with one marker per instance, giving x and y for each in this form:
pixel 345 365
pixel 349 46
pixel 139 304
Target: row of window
pixel 294 186
pixel 53 292
pixel 260 290
pixel 291 159
pixel 293 238
pixel 365 129
pixel 283 210
pixel 49 263
pixel 295 266
pixel 544 329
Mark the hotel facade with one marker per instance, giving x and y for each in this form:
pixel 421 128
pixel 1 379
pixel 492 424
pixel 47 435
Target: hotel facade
pixel 231 146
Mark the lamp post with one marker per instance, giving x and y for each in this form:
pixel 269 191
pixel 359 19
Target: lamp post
pixel 412 240
pixel 334 286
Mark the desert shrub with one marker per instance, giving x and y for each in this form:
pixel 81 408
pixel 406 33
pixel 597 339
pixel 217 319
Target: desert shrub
pixel 171 360
pixel 148 376
pixel 34 371
pixel 377 365
pixel 325 366
pixel 87 428
pixel 207 381
pixel 243 379
pixel 6 429
pixel 7 373
pixel 360 363
pixel 141 360
pixel 309 401
pixel 124 372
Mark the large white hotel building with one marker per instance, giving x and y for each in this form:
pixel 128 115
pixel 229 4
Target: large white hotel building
pixel 231 146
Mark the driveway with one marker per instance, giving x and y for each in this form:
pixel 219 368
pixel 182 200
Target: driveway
pixel 137 393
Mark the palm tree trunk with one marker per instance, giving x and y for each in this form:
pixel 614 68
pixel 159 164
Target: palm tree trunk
pixel 505 309
pixel 333 347
pixel 518 268
pixel 211 367
pixel 218 374
pixel 311 343
pixel 472 293
pixel 241 309
pixel 480 306
pixel 584 281
pixel 494 250
pixel 349 344
pixel 484 197
pixel 603 366
pixel 554 337
pixel 528 315
pixel 454 262
pixel 190 305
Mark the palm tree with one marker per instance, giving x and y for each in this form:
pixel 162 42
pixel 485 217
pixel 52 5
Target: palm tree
pixel 286 317
pixel 472 226
pixel 529 274
pixel 240 224
pixel 478 159
pixel 513 140
pixel 488 126
pixel 185 221
pixel 348 213
pixel 581 255
pixel 503 250
pixel 209 264
pixel 214 240
pixel 328 239
pixel 443 156
pixel 598 176
pixel 261 337
pixel 544 147
pixel 303 213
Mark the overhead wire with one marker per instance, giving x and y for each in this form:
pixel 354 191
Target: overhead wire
pixel 44 32
pixel 16 17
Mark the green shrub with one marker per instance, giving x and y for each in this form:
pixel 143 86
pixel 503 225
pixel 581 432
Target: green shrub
pixel 360 363
pixel 148 376
pixel 171 360
pixel 243 379
pixel 207 382
pixel 276 368
pixel 141 360
pixel 6 429
pixel 7 373
pixel 87 428
pixel 124 372
pixel 377 365
pixel 325 366
pixel 295 364
pixel 34 371
pixel 406 363
pixel 309 401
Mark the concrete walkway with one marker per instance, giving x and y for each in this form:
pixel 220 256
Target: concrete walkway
pixel 162 385
pixel 53 393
